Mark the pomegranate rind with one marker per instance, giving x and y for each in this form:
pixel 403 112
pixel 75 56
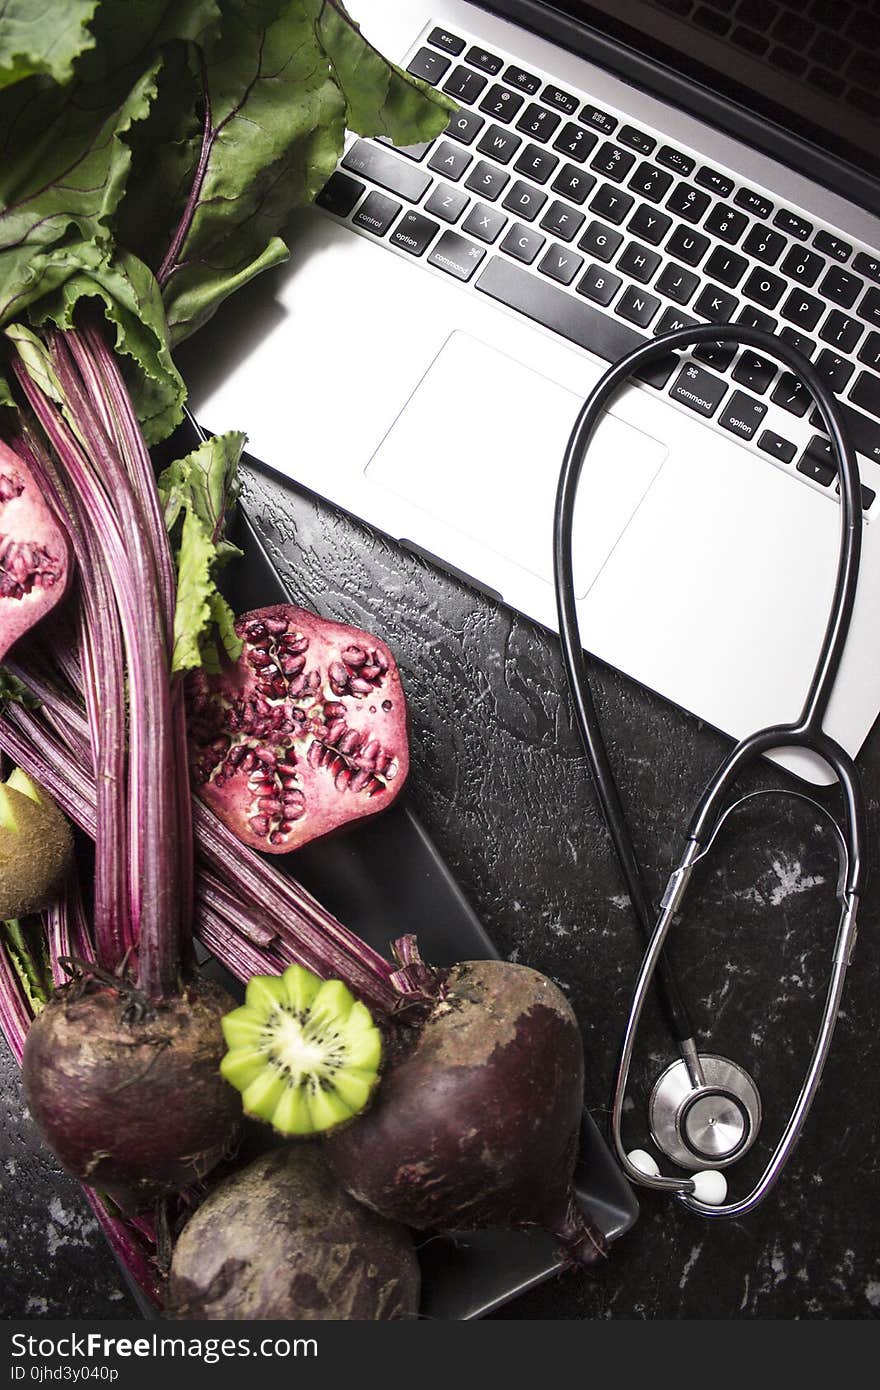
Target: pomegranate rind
pixel 34 552
pixel 306 733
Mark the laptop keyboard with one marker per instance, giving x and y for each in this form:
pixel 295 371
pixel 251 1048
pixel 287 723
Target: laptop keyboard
pixel 603 233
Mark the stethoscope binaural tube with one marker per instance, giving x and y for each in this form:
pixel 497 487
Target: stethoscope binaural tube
pixel 806 732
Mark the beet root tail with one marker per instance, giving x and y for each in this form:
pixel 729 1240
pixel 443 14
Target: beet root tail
pixel 581 1243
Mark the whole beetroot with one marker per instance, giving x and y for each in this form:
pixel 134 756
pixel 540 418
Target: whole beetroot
pixel 477 1119
pixel 281 1240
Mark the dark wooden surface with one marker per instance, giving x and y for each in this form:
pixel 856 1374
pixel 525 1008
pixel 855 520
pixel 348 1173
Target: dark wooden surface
pixel 499 780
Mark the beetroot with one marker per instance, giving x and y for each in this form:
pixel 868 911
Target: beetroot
pixel 34 555
pixel 305 733
pixel 477 1119
pixel 129 1095
pixel 281 1240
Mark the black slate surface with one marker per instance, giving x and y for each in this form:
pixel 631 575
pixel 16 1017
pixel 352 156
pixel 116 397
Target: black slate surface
pixel 500 784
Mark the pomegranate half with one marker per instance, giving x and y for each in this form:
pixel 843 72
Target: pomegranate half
pixel 305 733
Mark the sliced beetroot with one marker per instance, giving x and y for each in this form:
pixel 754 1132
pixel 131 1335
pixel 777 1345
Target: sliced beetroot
pixel 476 1120
pixel 306 732
pixel 34 553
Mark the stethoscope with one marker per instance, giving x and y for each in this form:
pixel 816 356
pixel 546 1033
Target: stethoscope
pixel 704 1110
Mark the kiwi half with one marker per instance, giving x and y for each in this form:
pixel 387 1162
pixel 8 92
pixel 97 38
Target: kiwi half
pixel 303 1052
pixel 36 847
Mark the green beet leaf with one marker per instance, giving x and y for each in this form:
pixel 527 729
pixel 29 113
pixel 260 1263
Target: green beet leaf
pixel 43 36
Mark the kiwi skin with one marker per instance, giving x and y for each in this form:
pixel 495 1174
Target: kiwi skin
pixel 36 847
pixel 280 1239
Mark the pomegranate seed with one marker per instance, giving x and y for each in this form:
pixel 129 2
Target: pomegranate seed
pixel 354 656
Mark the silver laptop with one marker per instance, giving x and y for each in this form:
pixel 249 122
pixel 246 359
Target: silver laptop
pixel 615 170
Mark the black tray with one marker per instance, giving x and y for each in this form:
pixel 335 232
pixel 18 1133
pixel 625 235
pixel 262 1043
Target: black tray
pixel 379 878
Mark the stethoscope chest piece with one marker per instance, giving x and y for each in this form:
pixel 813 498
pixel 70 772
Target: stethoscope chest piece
pixel 709 1125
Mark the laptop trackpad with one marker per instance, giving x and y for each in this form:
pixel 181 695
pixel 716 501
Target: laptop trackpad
pixel 479 445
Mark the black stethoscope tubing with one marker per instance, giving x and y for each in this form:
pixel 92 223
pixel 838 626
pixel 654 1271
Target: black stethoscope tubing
pixel 807 731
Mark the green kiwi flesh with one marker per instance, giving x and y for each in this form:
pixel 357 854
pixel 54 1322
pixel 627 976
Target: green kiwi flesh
pixel 303 1052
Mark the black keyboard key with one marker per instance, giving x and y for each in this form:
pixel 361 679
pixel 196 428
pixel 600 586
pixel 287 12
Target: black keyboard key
pixel 465 126
pixel 869 352
pixel 725 222
pixel 484 222
pixel 866 392
pixel 756 318
pixel 651 182
pixel 868 495
pixel 753 202
pixel 523 81
pixel 446 202
pixel 800 341
pixel 599 240
pixel 450 160
pixel 649 224
pixel 430 67
pixel 560 100
pixel 413 233
pixel 524 201
pixel 717 355
pixel 523 242
pixel 715 181
pixel 726 266
pixel 636 139
pixel 673 319
pixel 832 246
pixel 574 141
pixel 339 194
pixel 801 308
pixel 638 262
pixel 764 287
pixel 677 283
pixel 795 226
pixel 487 180
pixel 840 331
pixel 456 255
pixel 836 371
pixel 486 62
pixel 698 390
pixel 562 220
pixel 464 85
pixel 802 265
pixel 776 446
pixel 612 161
pixel 499 144
pixel 676 161
pixel 378 166
pixel 742 414
pixel 637 306
pixel 658 373
pixel 598 119
pixel 841 286
pixel 864 431
pixel 688 202
pixel 376 213
pixel 867 265
pixel 611 202
pixel 869 308
pixel 450 43
pixel 716 304
pixel 788 61
pixel 538 122
pixel 687 246
pixel 816 461
pixel 791 393
pixel 502 103
pixel 599 284
pixel 754 371
pixel 764 244
pixel 560 263
pixel 574 184
pixel 536 163
pixel 558 310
